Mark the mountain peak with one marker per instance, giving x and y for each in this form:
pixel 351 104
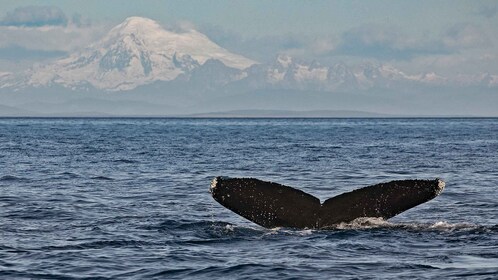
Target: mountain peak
pixel 135 52
pixel 138 20
pixel 136 25
pixel 285 60
pixel 166 43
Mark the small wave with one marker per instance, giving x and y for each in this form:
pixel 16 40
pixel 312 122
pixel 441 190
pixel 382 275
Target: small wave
pixel 232 271
pixel 69 174
pixel 98 245
pixel 103 178
pixel 11 178
pixel 10 199
pixel 363 223
pixel 214 231
pixel 249 270
pixel 125 161
pixel 201 225
pixel 299 232
pixel 245 268
pixel 379 223
pixel 205 231
pixel 186 225
pixel 170 272
pixel 40 214
pixel 444 226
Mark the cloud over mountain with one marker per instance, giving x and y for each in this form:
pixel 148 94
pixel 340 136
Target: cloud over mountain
pixel 488 10
pixel 37 33
pixel 35 16
pixel 386 43
pixel 17 53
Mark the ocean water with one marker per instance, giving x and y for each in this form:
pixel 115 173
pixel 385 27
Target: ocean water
pixel 128 198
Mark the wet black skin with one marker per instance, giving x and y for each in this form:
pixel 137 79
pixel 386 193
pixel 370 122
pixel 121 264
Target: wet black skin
pixel 274 205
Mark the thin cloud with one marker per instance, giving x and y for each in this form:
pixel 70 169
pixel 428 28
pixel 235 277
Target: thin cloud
pixel 56 38
pixel 16 53
pixel 35 16
pixel 488 11
pixel 466 36
pixel 385 43
pixel 264 48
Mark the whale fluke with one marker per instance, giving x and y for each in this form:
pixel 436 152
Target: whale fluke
pixel 274 205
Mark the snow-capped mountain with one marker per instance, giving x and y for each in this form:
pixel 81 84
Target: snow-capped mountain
pixel 136 52
pixel 139 52
pixel 286 69
pixel 288 73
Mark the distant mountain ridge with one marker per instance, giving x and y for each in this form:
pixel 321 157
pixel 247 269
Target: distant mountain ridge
pixel 287 73
pixel 139 52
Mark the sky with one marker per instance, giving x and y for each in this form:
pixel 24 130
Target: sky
pixel 450 37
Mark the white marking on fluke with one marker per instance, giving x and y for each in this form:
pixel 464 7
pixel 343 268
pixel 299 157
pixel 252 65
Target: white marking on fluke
pixel 440 186
pixel 214 183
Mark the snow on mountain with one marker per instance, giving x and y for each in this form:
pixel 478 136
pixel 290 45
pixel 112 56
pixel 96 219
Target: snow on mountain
pixel 4 78
pixel 286 72
pixel 213 75
pixel 432 78
pixel 483 79
pixel 139 52
pixel 493 82
pixel 7 79
pixel 136 52
pixel 341 77
pixel 285 68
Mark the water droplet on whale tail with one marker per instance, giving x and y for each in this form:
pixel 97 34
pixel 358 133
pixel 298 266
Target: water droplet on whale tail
pixel 273 205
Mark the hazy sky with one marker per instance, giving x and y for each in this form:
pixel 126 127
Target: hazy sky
pixel 450 37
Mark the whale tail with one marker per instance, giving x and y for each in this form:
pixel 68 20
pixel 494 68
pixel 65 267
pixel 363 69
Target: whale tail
pixel 274 205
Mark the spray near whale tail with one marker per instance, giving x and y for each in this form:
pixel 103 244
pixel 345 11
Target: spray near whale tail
pixel 273 205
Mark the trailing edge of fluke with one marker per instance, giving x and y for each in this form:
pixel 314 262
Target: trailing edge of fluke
pixel 274 205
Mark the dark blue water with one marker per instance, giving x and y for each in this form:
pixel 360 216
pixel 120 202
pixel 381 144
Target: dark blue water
pixel 128 198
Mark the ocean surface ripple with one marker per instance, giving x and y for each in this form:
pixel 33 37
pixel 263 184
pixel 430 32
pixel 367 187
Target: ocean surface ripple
pixel 128 198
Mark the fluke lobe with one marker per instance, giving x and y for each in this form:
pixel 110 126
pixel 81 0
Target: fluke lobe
pixel 274 205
